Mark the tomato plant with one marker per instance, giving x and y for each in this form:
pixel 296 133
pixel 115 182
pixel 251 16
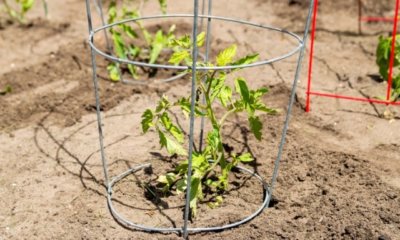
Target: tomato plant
pixel 211 165
pixel 383 61
pixel 23 7
pixel 123 35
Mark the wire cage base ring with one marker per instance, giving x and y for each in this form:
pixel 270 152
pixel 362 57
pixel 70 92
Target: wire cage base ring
pixel 122 220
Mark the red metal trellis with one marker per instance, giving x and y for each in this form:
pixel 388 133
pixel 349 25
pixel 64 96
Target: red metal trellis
pixel 391 63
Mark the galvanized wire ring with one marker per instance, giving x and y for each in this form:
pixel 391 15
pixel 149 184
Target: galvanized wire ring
pixel 121 219
pixel 200 68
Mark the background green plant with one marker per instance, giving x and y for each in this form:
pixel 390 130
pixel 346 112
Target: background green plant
pixel 383 61
pixel 123 34
pixel 21 8
pixel 211 165
pixel 7 89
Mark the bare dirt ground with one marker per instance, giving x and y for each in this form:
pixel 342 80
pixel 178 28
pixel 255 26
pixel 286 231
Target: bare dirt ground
pixel 340 174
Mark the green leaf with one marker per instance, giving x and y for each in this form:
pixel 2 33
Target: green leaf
pixel 133 71
pixel 114 72
pixel 178 57
pixel 14 14
pixel 157 46
pixel 183 42
pixel 134 51
pixel 182 167
pixel 128 30
pixel 172 29
pixel 243 90
pixel 216 203
pixel 239 105
pixel 383 54
pixel 162 179
pixel 185 105
pixel 256 127
pixel 181 186
pixel 163 104
pixel 214 140
pixel 200 39
pixel 171 146
pixel 226 56
pixel 147 36
pixel 6 90
pixel 112 12
pixel 261 107
pixel 171 128
pixel 168 179
pixel 194 194
pixel 119 45
pixel 163 6
pixel 249 59
pixel 260 92
pixel 217 84
pixel 26 5
pixel 247 157
pixel 223 179
pixel 147 120
pixel 225 96
pixel 199 163
pixel 130 13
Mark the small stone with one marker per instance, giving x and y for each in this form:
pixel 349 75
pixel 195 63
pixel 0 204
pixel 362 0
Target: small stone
pixel 392 195
pixel 325 191
pixel 384 237
pixel 301 178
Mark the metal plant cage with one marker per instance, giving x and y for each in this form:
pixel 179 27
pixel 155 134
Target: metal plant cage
pixel 199 14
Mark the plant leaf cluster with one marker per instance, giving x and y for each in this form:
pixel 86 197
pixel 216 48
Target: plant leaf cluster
pixel 22 7
pixel 123 34
pixel 383 61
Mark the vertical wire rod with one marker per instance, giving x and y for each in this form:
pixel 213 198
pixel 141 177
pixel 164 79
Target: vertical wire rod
pixel 207 57
pixel 292 97
pixel 203 9
pixel 97 97
pixel 99 6
pixel 192 108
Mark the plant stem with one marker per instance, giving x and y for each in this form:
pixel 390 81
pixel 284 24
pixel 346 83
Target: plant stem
pixel 210 83
pixel 215 163
pixel 12 13
pixel 213 119
pixel 221 122
pixel 45 8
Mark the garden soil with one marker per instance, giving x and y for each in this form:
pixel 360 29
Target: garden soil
pixel 340 172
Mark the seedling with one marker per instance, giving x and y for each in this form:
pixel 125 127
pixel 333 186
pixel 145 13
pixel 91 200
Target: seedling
pixel 7 89
pixel 23 5
pixel 123 34
pixel 383 61
pixel 211 164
